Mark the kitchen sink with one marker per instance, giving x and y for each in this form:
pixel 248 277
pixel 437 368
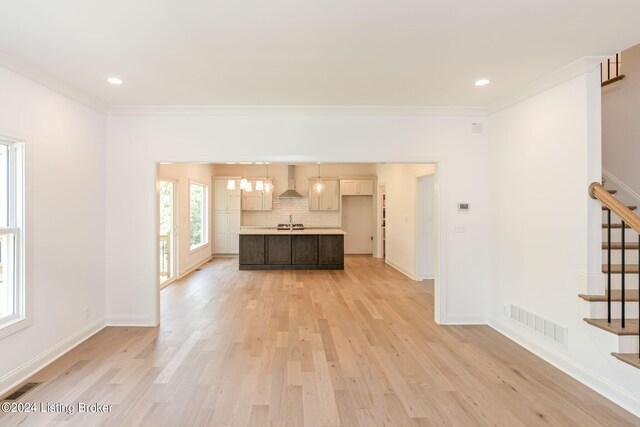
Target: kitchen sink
pixel 283 227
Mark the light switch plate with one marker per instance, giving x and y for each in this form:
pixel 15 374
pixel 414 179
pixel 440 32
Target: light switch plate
pixel 459 228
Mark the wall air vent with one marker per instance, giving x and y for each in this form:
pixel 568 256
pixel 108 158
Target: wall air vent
pixel 539 324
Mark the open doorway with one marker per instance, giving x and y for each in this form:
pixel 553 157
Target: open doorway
pixel 376 204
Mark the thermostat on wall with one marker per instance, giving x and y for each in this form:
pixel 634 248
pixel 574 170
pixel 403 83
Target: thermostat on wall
pixel 464 207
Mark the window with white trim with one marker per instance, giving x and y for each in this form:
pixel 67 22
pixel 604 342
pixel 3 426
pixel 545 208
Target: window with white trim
pixel 198 215
pixel 12 284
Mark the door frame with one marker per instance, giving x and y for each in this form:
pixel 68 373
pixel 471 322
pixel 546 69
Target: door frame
pixel 420 214
pixel 440 217
pixel 175 231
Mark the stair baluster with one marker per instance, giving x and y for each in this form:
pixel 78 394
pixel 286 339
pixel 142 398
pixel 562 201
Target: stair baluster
pixel 609 265
pixel 623 271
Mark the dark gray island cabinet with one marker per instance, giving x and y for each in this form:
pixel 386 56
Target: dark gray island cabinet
pixel 269 249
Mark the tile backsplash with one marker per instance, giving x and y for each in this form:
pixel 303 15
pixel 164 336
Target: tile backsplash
pixel 299 208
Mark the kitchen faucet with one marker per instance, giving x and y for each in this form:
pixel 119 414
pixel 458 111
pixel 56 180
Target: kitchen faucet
pixel 290 222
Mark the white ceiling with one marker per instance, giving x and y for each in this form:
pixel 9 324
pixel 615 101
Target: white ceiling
pixel 304 52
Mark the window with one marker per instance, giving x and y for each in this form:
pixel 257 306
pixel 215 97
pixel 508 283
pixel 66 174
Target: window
pixel 198 215
pixel 12 288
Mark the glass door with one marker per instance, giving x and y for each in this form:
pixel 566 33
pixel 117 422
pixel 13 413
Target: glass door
pixel 167 232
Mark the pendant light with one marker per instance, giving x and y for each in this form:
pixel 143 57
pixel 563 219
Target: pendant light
pixel 248 188
pixel 244 184
pixel 259 185
pixel 318 186
pixel 268 186
pixel 231 184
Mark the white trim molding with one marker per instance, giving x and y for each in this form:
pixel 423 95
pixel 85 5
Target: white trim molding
pixel 466 319
pixel 241 110
pixel 589 378
pixel 577 68
pixel 23 372
pixel 400 269
pixel 18 65
pixel 621 185
pixel 131 321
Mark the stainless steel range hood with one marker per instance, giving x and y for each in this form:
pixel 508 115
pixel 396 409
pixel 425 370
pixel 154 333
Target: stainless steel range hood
pixel 291 192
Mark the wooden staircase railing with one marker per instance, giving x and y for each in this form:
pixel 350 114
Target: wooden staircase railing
pixel 613 72
pixel 628 220
pixel 598 192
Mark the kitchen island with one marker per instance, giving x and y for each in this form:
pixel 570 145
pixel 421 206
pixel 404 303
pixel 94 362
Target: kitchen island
pixel 272 249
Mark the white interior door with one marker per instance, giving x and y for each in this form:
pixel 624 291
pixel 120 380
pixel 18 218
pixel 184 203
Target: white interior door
pixel 357 222
pixel 167 232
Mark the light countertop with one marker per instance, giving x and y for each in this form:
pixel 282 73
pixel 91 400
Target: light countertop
pixel 312 231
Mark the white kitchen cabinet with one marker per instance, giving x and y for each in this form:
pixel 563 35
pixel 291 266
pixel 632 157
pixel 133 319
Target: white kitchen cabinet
pixel 251 202
pixel 226 228
pixel 328 200
pixel 226 218
pixel 225 200
pixel 356 187
pixel 256 200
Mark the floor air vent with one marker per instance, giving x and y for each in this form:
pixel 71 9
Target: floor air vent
pixel 24 389
pixel 539 324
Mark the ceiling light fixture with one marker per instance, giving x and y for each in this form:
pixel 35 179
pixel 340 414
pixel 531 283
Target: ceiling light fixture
pixel 231 184
pixel 482 82
pixel 116 81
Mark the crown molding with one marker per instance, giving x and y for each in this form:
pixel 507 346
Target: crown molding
pixel 576 68
pixel 13 62
pixel 222 110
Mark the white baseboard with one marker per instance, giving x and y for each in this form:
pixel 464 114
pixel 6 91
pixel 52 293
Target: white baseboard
pixel 131 321
pixel 23 372
pixel 400 269
pixel 195 266
pixel 592 380
pixel 465 319
pixel 428 276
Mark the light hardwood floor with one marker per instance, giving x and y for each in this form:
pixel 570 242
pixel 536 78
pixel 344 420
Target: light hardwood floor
pixel 352 347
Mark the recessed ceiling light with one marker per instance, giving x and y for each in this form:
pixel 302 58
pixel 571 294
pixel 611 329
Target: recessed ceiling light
pixel 114 81
pixel 482 82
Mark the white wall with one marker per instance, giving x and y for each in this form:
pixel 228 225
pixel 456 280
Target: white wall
pixel 136 142
pixel 183 174
pixel 544 154
pixel 66 225
pixel 620 124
